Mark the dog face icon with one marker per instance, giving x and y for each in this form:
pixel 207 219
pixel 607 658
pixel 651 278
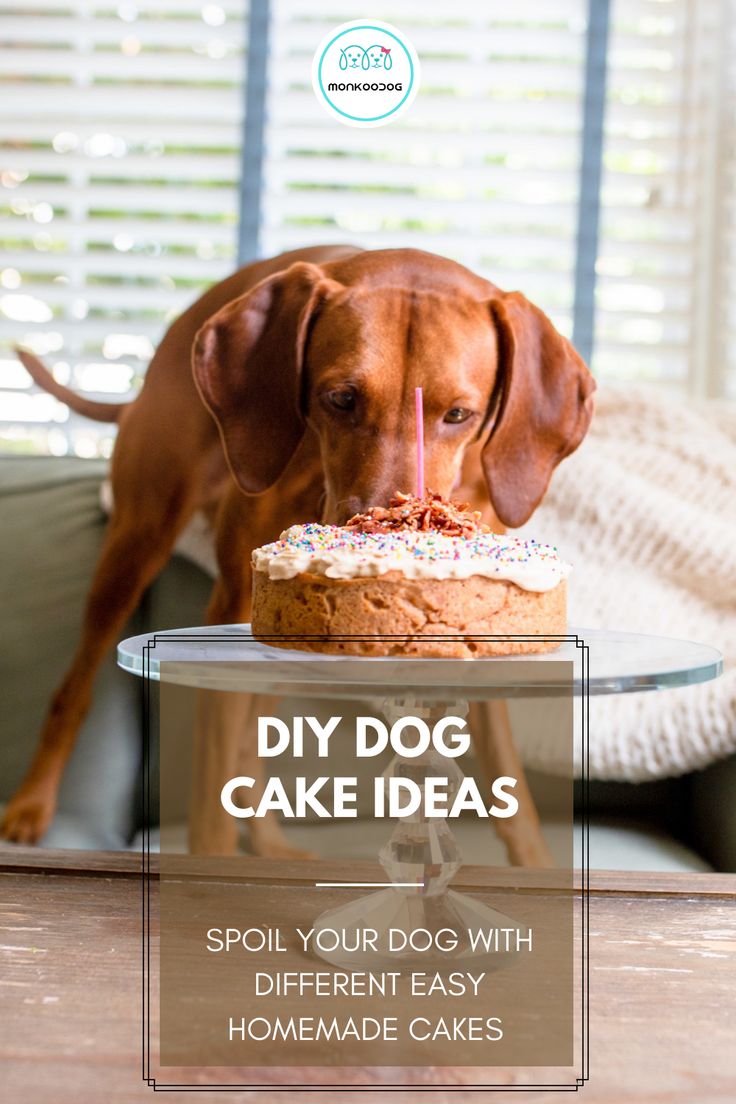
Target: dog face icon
pixel 353 57
pixel 379 57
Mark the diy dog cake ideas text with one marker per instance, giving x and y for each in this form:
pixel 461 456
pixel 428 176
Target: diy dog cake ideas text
pixel 392 797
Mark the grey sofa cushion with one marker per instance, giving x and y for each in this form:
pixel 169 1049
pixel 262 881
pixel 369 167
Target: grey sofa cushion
pixel 53 527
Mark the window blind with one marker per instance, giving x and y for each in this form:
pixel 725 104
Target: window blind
pixel 119 167
pixel 717 362
pixel 483 168
pixel 120 175
pixel 665 191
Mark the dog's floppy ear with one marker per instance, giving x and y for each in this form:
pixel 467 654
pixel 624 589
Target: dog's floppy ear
pixel 544 407
pixel 247 364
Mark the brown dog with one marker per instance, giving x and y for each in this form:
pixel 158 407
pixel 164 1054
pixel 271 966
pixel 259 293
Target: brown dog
pixel 306 365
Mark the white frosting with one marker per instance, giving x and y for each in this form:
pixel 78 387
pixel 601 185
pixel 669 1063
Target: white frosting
pixel 347 554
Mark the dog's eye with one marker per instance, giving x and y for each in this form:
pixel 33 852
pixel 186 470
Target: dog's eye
pixel 457 414
pixel 342 400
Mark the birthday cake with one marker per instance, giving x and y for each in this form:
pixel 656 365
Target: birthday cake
pixel 422 577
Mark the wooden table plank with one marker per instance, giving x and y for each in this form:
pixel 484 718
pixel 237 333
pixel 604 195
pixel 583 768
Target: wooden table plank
pixel 129 864
pixel 663 981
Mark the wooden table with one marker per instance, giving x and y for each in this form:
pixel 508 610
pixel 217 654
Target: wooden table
pixel 662 985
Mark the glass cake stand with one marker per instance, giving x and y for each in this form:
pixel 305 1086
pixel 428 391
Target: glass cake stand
pixel 227 657
pixel 421 856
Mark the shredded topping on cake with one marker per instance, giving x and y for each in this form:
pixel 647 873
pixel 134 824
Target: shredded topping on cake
pixel 432 513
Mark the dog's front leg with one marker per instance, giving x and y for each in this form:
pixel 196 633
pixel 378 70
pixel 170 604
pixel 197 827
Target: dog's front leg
pixel 497 755
pixel 220 721
pixel 225 740
pixel 225 745
pixel 266 835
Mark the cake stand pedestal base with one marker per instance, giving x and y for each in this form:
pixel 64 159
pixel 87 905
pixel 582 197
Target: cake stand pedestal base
pixel 417 920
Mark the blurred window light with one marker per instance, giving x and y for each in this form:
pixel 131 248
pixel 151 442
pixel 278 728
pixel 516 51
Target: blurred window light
pixel 643 331
pixel 43 212
pixel 123 242
pixel 105 145
pixel 632 297
pixel 14 376
pixel 11 178
pixel 65 141
pixel 25 308
pixel 33 408
pixel 43 342
pixel 85 446
pixel 61 371
pixel 117 345
pixel 213 15
pixel 10 278
pixel 114 379
pixel 57 442
pixel 43 242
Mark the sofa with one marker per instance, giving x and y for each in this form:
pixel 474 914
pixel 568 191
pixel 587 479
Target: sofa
pixel 53 525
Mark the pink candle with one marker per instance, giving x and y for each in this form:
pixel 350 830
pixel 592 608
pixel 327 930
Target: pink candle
pixel 419 406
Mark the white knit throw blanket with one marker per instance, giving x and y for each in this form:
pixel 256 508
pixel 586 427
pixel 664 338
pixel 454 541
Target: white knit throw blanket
pixel 645 510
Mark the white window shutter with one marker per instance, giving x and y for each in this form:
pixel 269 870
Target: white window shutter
pixel 120 134
pixel 483 168
pixel 665 192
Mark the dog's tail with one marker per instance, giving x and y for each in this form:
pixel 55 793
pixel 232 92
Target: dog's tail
pixel 90 408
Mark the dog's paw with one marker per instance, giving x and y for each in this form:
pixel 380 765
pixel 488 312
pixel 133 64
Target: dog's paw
pixel 25 820
pixel 277 847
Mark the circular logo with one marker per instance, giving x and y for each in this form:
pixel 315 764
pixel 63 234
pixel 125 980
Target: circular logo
pixel 365 73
